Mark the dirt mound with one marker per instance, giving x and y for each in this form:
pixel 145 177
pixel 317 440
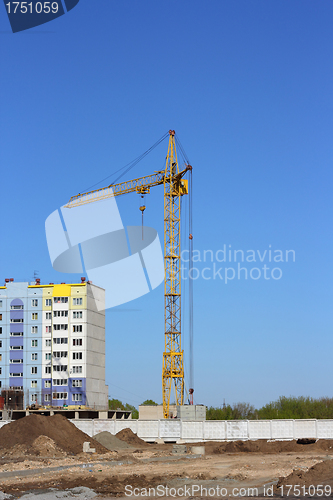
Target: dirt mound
pixel 263 446
pixel 59 429
pixel 129 437
pixel 45 447
pixel 319 474
pixel 111 442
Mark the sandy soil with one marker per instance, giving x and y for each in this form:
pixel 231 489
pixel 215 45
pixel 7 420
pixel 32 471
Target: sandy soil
pixel 147 469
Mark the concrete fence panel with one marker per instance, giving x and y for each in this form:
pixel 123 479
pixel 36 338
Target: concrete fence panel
pixel 325 429
pixel 305 429
pixel 148 429
pixel 170 430
pixel 237 429
pixel 259 429
pixel 282 429
pixel 192 431
pixel 215 430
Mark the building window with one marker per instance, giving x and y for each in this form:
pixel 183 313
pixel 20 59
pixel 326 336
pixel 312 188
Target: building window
pixel 47 397
pixel 0 370
pixel 47 384
pixel 76 383
pixel 77 397
pixel 34 356
pixel 48 302
pixel 77 301
pixel 77 355
pixel 16 307
pixel 77 341
pixel 60 354
pixel 60 381
pixel 16 334
pixel 16 374
pixel 77 328
pixel 48 356
pixel 60 300
pixel 34 343
pixel 48 343
pixel 60 368
pixel 0 317
pixel 0 357
pixel 60 327
pixel 33 398
pixel 33 370
pixel 59 395
pixel 77 369
pixel 47 329
pixel 34 384
pixel 47 369
pixel 14 361
pixel 48 315
pixel 77 314
pixel 58 314
pixel 34 329
pixel 16 347
pixel 16 320
pixel 34 316
pixel 34 302
pixel 62 340
pixel 1 304
pixel 0 343
pixel 0 330
pixel 0 383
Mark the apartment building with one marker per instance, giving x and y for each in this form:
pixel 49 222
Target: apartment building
pixel 52 343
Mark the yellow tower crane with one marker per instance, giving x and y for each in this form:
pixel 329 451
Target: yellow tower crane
pixel 174 187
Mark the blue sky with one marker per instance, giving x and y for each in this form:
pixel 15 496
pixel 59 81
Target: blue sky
pixel 247 87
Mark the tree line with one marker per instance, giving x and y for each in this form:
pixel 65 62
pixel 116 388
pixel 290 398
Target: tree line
pixel 291 407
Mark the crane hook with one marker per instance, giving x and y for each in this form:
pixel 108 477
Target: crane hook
pixel 142 208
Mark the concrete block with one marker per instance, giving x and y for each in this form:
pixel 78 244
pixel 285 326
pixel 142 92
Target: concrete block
pixel 179 449
pixel 87 449
pixel 198 450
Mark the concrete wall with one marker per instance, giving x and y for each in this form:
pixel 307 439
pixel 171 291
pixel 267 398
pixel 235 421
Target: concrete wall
pixel 155 412
pixel 213 430
pixel 96 390
pixel 210 430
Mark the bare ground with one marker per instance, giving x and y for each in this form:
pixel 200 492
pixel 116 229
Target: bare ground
pixel 38 462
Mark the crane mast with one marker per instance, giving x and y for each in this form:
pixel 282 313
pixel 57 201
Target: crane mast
pixel 174 187
pixel 173 365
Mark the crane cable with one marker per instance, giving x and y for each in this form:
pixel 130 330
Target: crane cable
pixel 190 271
pixel 130 165
pixel 190 298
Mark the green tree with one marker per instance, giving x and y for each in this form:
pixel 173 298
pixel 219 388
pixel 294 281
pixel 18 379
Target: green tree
pixel 115 404
pixel 149 402
pixel 135 413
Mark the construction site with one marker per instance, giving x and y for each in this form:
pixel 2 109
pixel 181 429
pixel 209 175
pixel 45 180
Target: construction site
pixel 56 431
